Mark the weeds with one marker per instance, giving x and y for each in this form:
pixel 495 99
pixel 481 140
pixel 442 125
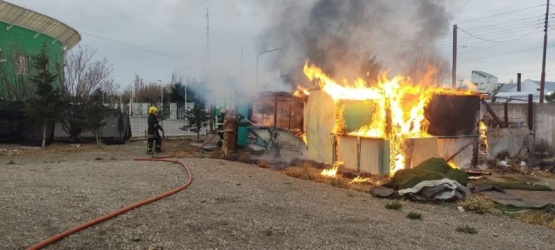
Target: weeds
pixel 339 182
pixel 539 218
pixel 414 216
pixel 395 205
pixel 304 172
pixel 244 157
pixel 264 164
pixel 467 229
pixel 477 204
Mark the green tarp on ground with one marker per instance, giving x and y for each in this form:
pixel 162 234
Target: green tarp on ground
pixel 431 169
pixel 433 179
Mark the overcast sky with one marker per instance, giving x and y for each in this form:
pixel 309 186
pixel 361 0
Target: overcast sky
pixel 156 38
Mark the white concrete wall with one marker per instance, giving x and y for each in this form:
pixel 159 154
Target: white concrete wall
pixel 544 123
pixel 508 140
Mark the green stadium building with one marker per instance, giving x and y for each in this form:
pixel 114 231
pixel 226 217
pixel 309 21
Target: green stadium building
pixel 22 34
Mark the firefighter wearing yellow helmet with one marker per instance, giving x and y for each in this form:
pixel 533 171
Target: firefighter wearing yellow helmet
pixel 153 131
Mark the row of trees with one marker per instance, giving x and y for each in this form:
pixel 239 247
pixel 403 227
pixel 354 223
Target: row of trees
pixel 78 103
pixel 154 92
pixel 83 88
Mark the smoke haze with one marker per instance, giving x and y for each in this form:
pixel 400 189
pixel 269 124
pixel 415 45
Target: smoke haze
pixel 341 36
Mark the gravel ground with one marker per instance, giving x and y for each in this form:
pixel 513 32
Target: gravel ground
pixel 230 205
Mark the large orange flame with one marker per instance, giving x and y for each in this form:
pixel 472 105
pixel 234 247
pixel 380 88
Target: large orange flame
pixel 300 91
pixel 399 112
pixel 331 172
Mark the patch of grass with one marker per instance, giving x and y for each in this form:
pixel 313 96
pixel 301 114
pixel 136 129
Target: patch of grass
pixel 395 205
pixel 264 164
pixel 339 182
pixel 477 204
pixel 217 154
pixel 414 216
pixel 467 229
pixel 304 172
pixel 267 232
pixel 244 157
pixel 538 218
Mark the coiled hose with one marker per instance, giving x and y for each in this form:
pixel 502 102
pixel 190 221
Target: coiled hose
pixel 120 211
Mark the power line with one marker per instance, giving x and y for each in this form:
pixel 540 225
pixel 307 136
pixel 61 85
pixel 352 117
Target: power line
pixel 521 23
pixel 131 45
pixel 482 5
pixel 400 46
pixel 487 40
pixel 490 47
pixel 529 20
pixel 507 33
pixel 516 52
pixel 524 73
pixel 490 16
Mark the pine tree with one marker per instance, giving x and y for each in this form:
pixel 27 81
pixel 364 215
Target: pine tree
pixel 198 118
pixel 95 113
pixel 43 108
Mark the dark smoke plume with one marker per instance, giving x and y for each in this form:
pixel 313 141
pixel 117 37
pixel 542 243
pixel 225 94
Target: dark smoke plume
pixel 355 38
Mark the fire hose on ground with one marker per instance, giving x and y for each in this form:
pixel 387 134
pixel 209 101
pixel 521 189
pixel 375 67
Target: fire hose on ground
pixel 132 206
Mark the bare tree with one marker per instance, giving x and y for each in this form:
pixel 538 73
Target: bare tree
pixel 149 93
pixel 428 69
pixel 126 95
pixel 83 77
pixel 371 68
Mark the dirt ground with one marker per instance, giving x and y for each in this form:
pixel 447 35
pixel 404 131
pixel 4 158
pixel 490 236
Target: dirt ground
pixel 230 205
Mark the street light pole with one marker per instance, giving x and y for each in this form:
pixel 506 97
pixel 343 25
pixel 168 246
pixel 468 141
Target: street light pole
pixel 260 53
pixel 132 101
pixel 185 85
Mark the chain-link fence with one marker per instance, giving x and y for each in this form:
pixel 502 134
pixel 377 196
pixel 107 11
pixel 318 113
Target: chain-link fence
pixel 171 116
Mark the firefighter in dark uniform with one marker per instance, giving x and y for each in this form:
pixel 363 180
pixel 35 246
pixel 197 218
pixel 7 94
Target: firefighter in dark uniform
pixel 153 132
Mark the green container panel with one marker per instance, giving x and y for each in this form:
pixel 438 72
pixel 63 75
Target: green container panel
pixel 357 114
pixel 242 136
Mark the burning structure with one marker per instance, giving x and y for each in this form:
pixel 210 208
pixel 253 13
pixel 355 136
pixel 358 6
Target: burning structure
pixel 392 125
pixel 355 113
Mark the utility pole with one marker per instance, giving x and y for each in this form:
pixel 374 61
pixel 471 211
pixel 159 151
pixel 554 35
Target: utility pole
pixel 542 83
pixel 207 38
pixel 518 83
pixel 260 53
pixel 454 69
pixel 241 70
pixel 209 98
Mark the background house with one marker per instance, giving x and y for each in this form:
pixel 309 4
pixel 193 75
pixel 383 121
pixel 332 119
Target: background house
pixel 485 83
pixel 527 87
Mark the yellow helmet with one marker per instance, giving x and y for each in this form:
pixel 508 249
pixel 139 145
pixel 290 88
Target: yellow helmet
pixel 152 110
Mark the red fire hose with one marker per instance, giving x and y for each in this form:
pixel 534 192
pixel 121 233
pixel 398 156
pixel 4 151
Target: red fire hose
pixel 130 207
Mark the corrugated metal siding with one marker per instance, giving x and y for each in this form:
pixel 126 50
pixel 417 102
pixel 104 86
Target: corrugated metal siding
pixel 320 118
pixel 347 152
pixel 373 158
pixel 370 154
